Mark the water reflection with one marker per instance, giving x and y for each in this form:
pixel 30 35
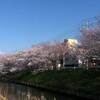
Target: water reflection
pixel 18 92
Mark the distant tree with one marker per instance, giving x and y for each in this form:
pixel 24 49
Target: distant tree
pixel 90 42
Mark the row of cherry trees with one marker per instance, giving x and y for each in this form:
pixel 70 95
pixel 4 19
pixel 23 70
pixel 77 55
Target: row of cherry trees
pixel 46 55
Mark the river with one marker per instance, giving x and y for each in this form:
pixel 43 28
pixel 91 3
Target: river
pixel 10 91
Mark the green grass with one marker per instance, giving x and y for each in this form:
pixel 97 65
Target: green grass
pixel 68 80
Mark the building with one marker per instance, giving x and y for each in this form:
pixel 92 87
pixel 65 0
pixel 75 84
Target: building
pixel 70 58
pixel 72 43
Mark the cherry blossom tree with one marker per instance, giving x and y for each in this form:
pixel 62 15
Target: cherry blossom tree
pixel 90 42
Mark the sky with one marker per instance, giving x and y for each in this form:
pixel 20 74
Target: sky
pixel 24 23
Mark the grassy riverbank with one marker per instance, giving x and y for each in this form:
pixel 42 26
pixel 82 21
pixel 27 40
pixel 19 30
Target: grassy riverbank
pixel 78 82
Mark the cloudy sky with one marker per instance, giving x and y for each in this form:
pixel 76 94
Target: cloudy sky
pixel 27 22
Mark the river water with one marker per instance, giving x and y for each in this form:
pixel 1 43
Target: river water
pixel 19 92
